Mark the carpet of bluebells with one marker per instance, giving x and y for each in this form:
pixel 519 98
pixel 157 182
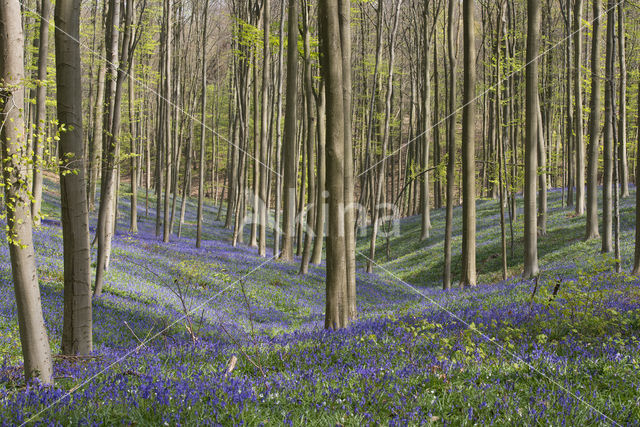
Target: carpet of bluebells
pixel 507 353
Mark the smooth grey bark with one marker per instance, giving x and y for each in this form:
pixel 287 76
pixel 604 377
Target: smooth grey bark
pixel 623 163
pixel 203 127
pixel 316 256
pixel 310 141
pixel 594 127
pixel 425 224
pixel 289 150
pixel 118 69
pixel 331 67
pixel 278 171
pixel 636 258
pixel 95 143
pixel 542 175
pixel 34 341
pixel 133 163
pixel 608 134
pixel 380 181
pixel 264 131
pixel 578 132
pixel 167 123
pixel 469 277
pixel 41 112
pixel 531 268
pixel 77 321
pixel 344 17
pixel 451 144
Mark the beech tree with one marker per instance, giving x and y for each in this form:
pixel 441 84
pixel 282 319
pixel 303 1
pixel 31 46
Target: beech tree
pixel 468 149
pixel 77 330
pixel 531 141
pixel 13 141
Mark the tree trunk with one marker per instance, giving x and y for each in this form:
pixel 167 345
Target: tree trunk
pixel 608 146
pixel 578 137
pixel 426 120
pixel 264 131
pixel 77 323
pixel 33 334
pixel 531 143
pixel 451 145
pixel 316 256
pixel 289 150
pixel 108 192
pixel 310 141
pixel 344 16
pixel 133 213
pixel 623 165
pixel 278 171
pixel 203 127
pixel 636 259
pixel 331 66
pixel 468 151
pixel 41 112
pixel 381 165
pixel 594 127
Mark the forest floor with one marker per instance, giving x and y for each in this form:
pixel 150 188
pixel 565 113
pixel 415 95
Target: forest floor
pixel 493 355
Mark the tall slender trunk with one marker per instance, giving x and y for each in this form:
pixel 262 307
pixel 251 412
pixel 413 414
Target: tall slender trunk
pixel 108 196
pixel 594 126
pixel 426 120
pixel 636 258
pixel 133 163
pixel 316 256
pixel 344 17
pixel 381 167
pixel 331 65
pixel 623 166
pixel 608 134
pixel 34 341
pixel 77 323
pixel 203 126
pixel 41 112
pixel 278 171
pixel 310 141
pixel 531 268
pixel 451 144
pixel 469 278
pixel 264 131
pixel 578 133
pixel 167 125
pixel 289 149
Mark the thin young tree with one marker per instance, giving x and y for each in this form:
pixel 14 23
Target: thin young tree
pixel 289 150
pixel 451 143
pixel 608 133
pixel 203 127
pixel 264 130
pixel 34 341
pixel 594 126
pixel 468 149
pixel 623 164
pixel 577 93
pixel 636 259
pixel 77 323
pixel 118 69
pixel 41 111
pixel 344 16
pixel 531 141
